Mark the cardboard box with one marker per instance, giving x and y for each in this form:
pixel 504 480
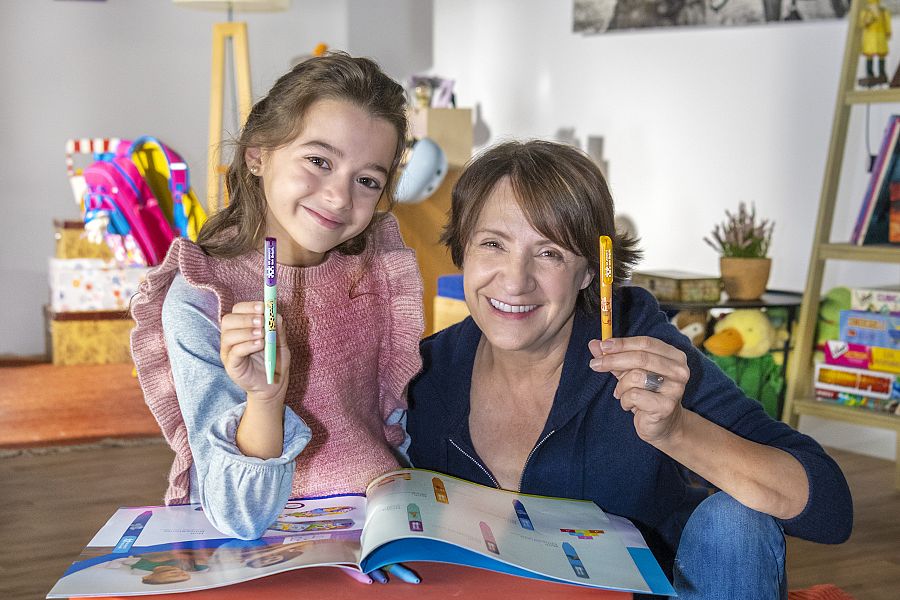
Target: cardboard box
pixel 450 128
pixel 72 242
pixel 859 356
pixel 91 284
pixel 856 381
pixel 89 338
pixel 870 328
pixel 679 286
pixel 883 300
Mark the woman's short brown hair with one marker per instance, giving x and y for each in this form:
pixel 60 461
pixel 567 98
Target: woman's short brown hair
pixel 564 197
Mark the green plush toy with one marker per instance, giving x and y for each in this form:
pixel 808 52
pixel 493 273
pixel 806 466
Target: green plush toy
pixel 828 324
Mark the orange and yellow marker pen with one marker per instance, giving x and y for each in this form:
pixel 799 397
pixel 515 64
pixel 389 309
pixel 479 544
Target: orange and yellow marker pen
pixel 606 284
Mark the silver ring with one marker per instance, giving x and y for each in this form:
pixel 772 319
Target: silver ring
pixel 653 381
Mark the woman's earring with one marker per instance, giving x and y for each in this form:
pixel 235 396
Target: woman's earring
pixel 254 169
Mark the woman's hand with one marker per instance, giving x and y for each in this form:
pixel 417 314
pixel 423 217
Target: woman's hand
pixel 242 352
pixel 652 376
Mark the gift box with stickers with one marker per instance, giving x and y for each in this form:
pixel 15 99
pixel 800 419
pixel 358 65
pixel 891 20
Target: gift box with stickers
pixel 92 284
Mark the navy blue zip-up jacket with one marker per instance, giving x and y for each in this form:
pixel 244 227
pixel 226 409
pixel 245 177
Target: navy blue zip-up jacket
pixel 589 448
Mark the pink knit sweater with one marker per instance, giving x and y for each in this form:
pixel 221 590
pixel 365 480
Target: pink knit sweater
pixel 353 330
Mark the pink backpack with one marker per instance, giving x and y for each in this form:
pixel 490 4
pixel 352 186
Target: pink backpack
pixel 120 203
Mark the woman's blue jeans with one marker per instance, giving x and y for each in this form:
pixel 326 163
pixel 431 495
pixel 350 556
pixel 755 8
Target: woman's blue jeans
pixel 728 551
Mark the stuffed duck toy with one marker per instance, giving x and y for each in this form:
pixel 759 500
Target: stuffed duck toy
pixel 740 347
pixel 746 333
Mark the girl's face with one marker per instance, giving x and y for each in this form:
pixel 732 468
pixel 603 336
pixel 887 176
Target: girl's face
pixel 322 188
pixel 520 287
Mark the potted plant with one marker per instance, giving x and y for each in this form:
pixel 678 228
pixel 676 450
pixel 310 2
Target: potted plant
pixel 743 243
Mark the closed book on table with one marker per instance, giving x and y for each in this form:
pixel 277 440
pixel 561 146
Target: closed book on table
pixel 89 337
pixel 679 286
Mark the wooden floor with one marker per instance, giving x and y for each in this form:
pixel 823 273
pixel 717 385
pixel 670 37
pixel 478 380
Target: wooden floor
pixel 55 494
pixel 42 404
pixel 53 501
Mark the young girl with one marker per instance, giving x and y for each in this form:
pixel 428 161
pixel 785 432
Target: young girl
pixel 315 157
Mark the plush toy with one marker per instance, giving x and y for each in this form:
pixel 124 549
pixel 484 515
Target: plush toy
pixel 746 333
pixel 692 323
pixel 740 347
pixel 828 325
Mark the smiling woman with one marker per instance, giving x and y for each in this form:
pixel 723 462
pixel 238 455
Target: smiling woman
pixel 523 395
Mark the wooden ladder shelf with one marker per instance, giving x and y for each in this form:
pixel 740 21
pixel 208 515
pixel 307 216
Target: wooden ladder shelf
pixel 799 398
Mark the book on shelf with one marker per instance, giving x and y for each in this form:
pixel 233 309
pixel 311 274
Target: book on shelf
pixel 858 401
pixel 860 356
pixel 872 220
pixel 882 299
pixel 875 384
pixel 894 214
pixel 405 516
pixel 870 328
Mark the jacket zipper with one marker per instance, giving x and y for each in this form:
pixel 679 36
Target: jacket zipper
pixel 530 454
pixel 480 466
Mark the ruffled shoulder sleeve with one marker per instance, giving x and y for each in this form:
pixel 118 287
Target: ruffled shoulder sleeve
pixel 151 359
pixel 401 360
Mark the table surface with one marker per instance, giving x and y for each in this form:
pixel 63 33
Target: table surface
pixel 438 581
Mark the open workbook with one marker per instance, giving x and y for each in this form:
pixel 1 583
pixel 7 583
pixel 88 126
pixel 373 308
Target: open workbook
pixel 405 516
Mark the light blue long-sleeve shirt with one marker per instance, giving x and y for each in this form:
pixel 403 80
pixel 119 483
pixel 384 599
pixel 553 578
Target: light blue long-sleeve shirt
pixel 241 495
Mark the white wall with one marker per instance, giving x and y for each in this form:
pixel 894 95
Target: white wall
pixel 694 120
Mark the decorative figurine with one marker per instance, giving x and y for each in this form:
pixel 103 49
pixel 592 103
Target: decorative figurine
pixel 875 21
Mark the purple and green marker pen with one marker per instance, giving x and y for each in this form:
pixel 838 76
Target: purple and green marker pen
pixel 270 293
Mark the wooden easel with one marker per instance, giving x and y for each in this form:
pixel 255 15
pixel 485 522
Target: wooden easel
pixel 237 32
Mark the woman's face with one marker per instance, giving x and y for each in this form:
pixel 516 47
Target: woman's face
pixel 520 287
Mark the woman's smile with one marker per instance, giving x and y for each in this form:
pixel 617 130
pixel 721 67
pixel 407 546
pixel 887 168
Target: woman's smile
pixel 513 309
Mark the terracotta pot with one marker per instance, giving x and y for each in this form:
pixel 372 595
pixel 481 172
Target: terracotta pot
pixel 744 278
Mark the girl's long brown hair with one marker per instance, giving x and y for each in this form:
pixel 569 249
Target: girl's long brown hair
pixel 276 120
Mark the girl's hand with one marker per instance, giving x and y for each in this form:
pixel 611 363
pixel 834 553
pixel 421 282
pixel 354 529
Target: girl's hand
pixel 242 352
pixel 639 363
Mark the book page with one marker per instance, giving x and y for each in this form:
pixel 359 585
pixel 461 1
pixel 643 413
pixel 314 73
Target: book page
pixel 568 540
pixel 159 549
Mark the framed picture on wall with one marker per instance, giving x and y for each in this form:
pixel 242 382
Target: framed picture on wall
pixel 600 16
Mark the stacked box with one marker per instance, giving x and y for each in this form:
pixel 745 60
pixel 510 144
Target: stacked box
pixel 858 356
pixel 880 300
pixel 80 338
pixel 870 328
pixel 72 242
pixel 873 384
pixel 92 284
pixel 679 286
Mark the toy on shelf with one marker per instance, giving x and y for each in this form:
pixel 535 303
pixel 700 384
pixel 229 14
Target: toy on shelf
pixel 740 347
pixel 875 22
pixel 693 324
